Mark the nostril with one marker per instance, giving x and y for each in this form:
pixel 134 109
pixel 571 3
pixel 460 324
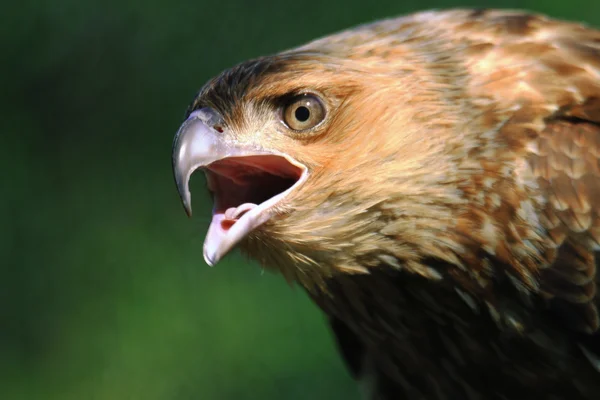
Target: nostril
pixel 210 117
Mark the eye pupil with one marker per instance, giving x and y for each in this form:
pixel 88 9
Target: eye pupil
pixel 302 114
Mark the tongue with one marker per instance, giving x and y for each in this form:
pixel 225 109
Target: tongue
pixel 235 213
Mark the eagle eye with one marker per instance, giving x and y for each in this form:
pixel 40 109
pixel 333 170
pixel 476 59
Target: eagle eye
pixel 303 112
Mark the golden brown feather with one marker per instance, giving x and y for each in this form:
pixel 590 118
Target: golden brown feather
pixel 450 224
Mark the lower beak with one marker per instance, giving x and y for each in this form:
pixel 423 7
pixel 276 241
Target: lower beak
pixel 246 181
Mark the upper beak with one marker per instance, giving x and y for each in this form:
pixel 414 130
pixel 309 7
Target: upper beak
pixel 197 144
pixel 246 181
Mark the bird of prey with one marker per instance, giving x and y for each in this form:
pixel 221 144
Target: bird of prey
pixel 433 182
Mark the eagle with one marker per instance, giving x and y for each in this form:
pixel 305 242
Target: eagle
pixel 433 182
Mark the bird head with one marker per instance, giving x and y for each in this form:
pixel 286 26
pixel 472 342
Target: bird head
pixel 334 157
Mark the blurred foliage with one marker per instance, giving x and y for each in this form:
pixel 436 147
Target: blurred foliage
pixel 103 291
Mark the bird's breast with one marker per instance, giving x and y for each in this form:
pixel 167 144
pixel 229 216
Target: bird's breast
pixel 428 337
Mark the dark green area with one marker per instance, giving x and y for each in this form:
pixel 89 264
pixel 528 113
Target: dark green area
pixel 103 291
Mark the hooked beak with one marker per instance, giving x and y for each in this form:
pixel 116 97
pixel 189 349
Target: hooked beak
pixel 246 182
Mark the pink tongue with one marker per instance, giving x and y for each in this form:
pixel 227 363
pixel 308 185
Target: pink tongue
pixel 234 213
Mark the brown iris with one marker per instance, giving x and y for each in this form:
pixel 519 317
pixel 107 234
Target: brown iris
pixel 303 112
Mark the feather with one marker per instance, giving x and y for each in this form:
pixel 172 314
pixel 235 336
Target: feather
pixel 449 224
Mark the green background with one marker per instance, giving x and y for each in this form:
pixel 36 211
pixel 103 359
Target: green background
pixel 103 290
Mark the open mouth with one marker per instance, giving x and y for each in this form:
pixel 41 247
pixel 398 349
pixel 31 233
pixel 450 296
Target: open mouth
pixel 245 190
pixel 241 184
pixel 246 181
